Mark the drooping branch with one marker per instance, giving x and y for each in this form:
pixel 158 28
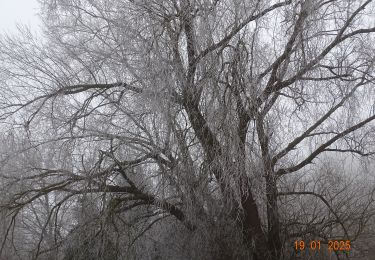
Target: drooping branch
pixel 324 201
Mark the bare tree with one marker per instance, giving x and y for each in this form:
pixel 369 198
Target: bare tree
pixel 212 112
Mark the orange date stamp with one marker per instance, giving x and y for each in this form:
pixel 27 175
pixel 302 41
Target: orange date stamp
pixel 342 246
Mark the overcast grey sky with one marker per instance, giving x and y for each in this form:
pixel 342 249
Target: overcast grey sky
pixel 18 11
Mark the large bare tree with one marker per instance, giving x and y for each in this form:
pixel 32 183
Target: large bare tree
pixel 207 111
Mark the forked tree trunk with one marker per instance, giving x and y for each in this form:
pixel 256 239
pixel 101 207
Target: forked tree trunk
pixel 266 247
pixel 255 238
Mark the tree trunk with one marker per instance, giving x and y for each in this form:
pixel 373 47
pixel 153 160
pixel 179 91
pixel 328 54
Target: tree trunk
pixel 252 229
pixel 274 240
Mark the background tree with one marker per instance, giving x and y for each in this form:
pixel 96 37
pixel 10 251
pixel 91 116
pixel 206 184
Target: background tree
pixel 215 113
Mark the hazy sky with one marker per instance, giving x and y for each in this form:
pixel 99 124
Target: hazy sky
pixel 18 11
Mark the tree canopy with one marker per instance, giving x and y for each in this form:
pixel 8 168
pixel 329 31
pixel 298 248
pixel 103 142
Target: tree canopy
pixel 187 129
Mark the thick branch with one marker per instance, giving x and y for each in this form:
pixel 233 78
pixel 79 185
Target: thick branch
pixel 361 153
pixel 238 28
pixel 340 37
pixel 306 134
pixel 323 147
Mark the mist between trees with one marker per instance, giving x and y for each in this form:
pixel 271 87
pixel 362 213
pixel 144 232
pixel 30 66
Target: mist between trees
pixel 189 129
